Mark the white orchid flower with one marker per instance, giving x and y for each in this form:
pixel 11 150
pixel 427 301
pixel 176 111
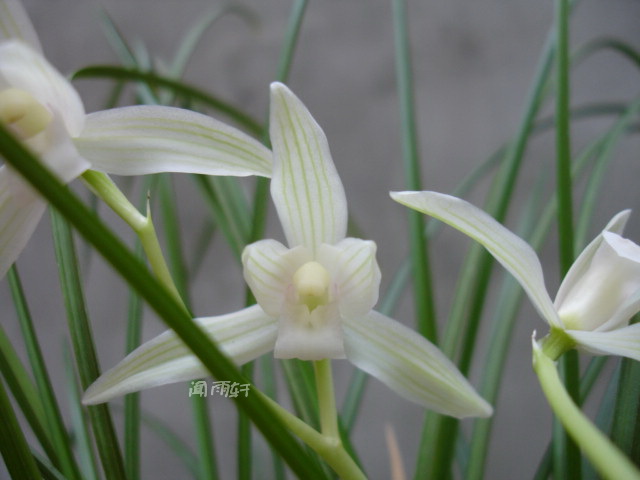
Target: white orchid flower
pixel 599 294
pixel 315 296
pixel 42 109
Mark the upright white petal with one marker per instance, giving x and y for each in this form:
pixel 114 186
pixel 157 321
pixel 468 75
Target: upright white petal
pixel 15 24
pixel 596 298
pixel 354 270
pixel 621 341
pixel 24 68
pixel 243 336
pixel 510 250
pixel 269 267
pixel 581 264
pixel 20 211
pixel 149 139
pixel 305 185
pixel 411 366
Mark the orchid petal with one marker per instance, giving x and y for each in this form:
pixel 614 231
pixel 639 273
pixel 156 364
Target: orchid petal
pixel 597 300
pixel 269 267
pixel 148 139
pixel 624 342
pixel 582 263
pixel 243 336
pixel 20 211
pixel 627 309
pixel 510 250
pixel 15 24
pixel 58 152
pixel 305 186
pixel 23 68
pixel 411 366
pixel 353 268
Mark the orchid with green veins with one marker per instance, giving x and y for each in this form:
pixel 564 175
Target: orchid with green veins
pixel 315 295
pixel 598 296
pixel 43 110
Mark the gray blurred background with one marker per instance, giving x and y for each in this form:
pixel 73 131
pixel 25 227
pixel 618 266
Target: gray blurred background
pixel 474 63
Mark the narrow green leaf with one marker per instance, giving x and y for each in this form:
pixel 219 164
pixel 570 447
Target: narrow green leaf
pixel 24 392
pixel 422 283
pixel 81 436
pixel 180 89
pixel 194 35
pixel 219 206
pixel 470 293
pixel 13 445
pixel 625 431
pixel 83 346
pixel 64 460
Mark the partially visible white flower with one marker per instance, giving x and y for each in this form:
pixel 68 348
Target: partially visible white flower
pixel 315 296
pixel 599 294
pixel 43 109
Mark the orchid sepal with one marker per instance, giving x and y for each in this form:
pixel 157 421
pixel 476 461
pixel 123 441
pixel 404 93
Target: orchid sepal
pixel 511 251
pixel 148 139
pixel 243 336
pixel 411 366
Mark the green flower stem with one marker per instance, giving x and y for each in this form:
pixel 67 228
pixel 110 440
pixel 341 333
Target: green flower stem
pixel 101 185
pixel 557 343
pixel 608 460
pixel 326 399
pixel 330 448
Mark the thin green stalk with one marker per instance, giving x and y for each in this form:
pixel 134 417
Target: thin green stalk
pixel 563 139
pixel 326 399
pixel 610 462
pixel 158 297
pixel 422 283
pixel 328 447
pixel 65 460
pixel 567 456
pixel 13 445
pixel 103 187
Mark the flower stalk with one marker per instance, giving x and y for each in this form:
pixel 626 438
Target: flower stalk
pixel 610 462
pixel 327 445
pixel 103 187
